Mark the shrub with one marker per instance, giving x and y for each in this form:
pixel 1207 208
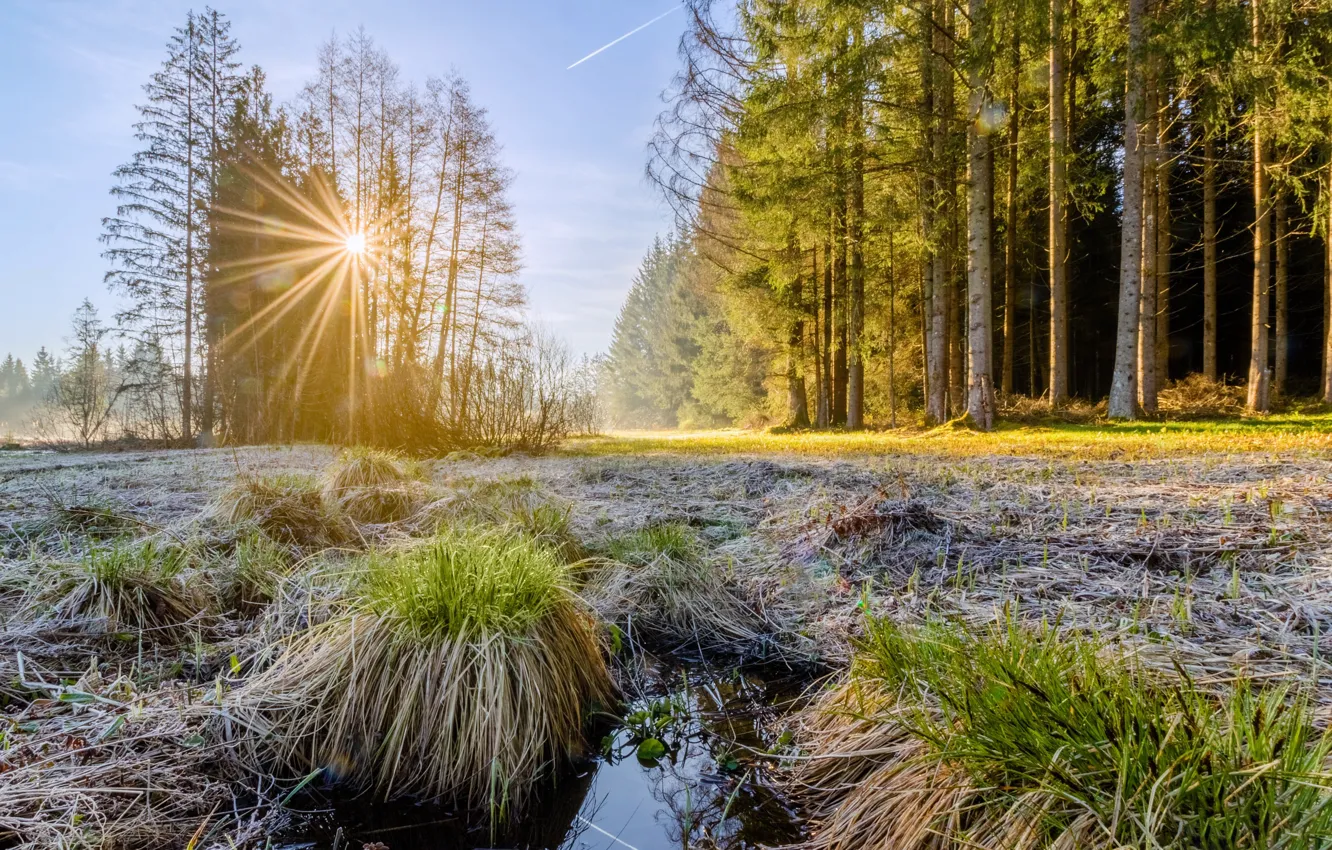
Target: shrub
pixel 1028 738
pixel 463 668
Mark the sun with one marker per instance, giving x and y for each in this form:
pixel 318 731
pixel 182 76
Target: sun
pixel 356 243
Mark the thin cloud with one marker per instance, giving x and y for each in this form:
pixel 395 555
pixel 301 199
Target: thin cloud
pixel 605 47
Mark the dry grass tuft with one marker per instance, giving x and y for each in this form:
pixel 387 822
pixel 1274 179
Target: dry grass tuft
pixel 660 588
pixel 1198 397
pixel 374 486
pixel 378 505
pixel 1033 739
pixel 288 508
pixel 360 467
pixel 465 668
pixel 1038 411
pixel 95 518
pixel 129 587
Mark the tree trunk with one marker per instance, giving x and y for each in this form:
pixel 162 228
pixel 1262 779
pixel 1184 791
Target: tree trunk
pixel 892 333
pixel 980 218
pixel 1209 256
pixel 816 332
pixel 1163 243
pixel 451 284
pixel 1282 274
pixel 797 403
pixel 957 306
pixel 1327 299
pixel 187 379
pixel 1257 400
pixel 1147 385
pixel 839 313
pixel 954 266
pixel 1011 220
pixel 1058 225
pixel 1123 390
pixel 826 387
pixel 855 225
pixel 936 359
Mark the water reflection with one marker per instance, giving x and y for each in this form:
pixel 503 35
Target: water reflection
pixel 711 789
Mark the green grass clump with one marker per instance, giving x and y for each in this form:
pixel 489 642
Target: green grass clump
pixel 94 518
pixel 517 503
pixel 463 668
pixel 1018 737
pixel 465 582
pixel 672 540
pixel 131 587
pixel 260 563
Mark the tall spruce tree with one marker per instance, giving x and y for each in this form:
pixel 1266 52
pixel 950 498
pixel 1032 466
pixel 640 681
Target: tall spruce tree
pixel 157 238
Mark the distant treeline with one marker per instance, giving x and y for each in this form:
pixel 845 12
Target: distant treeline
pixel 23 387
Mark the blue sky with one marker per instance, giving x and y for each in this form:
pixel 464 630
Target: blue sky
pixel 71 72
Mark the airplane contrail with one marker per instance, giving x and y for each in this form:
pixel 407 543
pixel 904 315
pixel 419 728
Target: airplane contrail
pixel 621 38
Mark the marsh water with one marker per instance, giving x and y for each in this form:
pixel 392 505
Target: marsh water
pixel 709 784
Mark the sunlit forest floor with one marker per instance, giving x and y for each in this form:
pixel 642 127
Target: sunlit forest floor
pixel 1203 545
pixel 1100 441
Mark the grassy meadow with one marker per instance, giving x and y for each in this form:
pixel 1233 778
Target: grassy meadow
pixel 1055 635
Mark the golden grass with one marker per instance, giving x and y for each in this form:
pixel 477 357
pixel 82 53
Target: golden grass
pixel 464 669
pixel 1096 441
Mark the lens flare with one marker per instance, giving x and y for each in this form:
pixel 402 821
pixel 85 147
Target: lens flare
pixel 321 267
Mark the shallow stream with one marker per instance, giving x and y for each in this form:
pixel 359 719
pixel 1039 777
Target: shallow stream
pixel 712 787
